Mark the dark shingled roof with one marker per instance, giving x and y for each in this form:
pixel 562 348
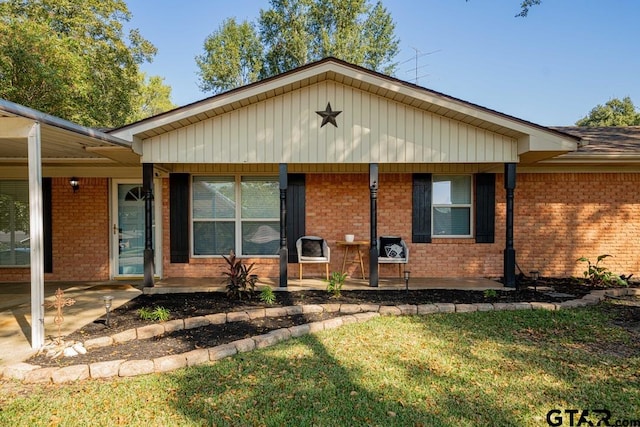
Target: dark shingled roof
pixel 605 140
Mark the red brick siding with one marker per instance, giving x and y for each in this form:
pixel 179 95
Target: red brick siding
pixel 567 216
pixel 80 223
pixel 558 218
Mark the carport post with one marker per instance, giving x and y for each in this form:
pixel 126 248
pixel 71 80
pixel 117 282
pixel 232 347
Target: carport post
pixel 36 239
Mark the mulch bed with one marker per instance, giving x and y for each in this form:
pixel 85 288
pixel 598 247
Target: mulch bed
pixel 200 304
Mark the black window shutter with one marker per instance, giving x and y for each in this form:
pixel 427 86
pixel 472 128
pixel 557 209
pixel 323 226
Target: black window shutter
pixel 295 212
pixel 47 226
pixel 485 207
pixel 179 217
pixel 421 217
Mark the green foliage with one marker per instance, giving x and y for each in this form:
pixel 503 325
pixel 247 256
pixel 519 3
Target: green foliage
pixel 597 275
pixel 614 112
pixel 232 57
pixel 153 97
pixel 267 295
pixel 490 293
pixel 71 58
pixel 335 283
pixel 156 314
pixel 525 5
pixel 292 33
pixel 241 283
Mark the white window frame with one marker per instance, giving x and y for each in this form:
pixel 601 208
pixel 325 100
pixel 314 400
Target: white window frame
pixel 237 219
pixel 469 205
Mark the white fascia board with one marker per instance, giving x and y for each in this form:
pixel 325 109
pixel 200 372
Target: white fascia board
pixel 15 127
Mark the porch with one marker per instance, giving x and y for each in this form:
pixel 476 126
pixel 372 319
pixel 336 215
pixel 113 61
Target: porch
pixel 216 284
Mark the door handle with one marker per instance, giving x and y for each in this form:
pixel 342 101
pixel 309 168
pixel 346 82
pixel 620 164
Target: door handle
pixel 115 229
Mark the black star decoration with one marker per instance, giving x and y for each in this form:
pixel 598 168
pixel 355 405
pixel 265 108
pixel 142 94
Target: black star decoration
pixel 328 115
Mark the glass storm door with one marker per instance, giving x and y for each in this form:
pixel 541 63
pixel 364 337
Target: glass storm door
pixel 128 229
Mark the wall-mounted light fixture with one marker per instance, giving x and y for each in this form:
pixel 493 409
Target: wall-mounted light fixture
pixel 74 183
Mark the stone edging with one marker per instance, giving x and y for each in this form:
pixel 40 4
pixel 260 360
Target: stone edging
pixel 350 313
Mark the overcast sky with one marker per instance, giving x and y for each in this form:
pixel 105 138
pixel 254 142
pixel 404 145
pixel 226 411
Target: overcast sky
pixel 550 68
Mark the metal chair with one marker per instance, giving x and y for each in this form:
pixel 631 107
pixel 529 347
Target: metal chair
pixel 393 250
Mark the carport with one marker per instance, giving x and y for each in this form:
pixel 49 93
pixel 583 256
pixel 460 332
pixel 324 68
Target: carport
pixel 33 145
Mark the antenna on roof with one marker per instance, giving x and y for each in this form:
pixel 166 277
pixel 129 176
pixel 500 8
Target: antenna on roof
pixel 418 54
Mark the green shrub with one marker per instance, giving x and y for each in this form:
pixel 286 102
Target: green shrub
pixel 156 314
pixel 267 296
pixel 597 275
pixel 335 283
pixel 490 293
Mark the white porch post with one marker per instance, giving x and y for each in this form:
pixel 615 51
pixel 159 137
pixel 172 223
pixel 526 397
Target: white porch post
pixel 36 242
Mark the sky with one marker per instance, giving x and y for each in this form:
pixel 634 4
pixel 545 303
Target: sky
pixel 550 68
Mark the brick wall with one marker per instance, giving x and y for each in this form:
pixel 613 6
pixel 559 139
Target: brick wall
pixel 80 223
pixel 558 218
pixel 567 217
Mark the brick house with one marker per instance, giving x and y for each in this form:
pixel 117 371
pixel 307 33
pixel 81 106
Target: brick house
pixel 329 149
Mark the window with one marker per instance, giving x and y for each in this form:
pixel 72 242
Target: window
pixel 451 206
pixel 14 223
pixel 221 224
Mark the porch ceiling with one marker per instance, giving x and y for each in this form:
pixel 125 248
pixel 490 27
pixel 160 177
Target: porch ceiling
pixel 63 143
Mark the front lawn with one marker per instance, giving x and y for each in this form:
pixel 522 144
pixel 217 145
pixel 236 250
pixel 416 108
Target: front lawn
pixel 462 369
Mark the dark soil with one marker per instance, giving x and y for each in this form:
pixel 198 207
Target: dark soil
pixel 199 304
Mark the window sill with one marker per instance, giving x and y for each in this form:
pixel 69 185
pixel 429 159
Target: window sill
pixel 453 240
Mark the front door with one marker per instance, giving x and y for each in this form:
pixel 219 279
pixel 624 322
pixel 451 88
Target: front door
pixel 128 229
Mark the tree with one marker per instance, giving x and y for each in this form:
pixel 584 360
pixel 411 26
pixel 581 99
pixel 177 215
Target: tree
pixel 152 97
pixel 295 32
pixel 70 58
pixel 232 57
pixel 525 5
pixel 614 112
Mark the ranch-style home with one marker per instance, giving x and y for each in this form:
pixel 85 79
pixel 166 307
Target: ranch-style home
pixel 328 149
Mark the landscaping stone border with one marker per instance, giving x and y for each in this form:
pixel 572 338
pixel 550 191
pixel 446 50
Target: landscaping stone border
pixel 350 313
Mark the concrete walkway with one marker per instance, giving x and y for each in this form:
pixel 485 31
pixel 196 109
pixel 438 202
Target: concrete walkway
pixel 15 312
pixel 15 302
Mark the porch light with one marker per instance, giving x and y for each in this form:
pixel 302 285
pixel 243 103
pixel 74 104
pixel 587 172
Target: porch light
pixel 74 183
pixel 108 300
pixel 407 274
pixel 535 275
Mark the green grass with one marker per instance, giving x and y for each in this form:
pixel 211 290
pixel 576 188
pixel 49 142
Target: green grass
pixel 495 368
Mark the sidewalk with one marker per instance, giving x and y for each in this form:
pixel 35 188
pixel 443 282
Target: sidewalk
pixel 15 312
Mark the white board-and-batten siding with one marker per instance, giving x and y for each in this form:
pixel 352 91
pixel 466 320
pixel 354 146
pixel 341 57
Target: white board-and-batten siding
pixel 371 129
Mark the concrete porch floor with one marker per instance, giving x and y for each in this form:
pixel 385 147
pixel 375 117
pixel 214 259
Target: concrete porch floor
pixel 214 284
pixel 15 301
